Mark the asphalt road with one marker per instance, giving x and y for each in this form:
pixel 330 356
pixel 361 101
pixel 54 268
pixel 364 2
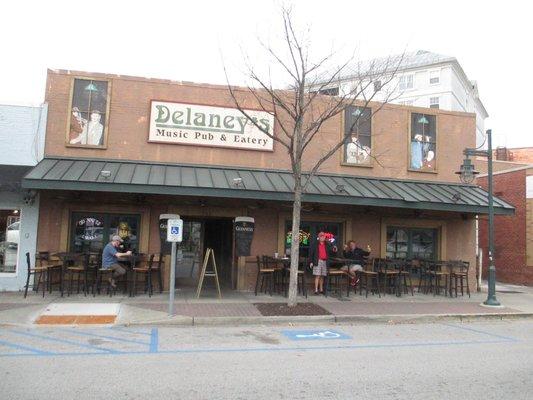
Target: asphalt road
pixel 423 361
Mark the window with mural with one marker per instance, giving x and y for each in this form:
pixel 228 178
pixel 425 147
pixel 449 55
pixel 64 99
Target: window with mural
pixel 358 130
pixel 90 232
pixel 411 243
pixel 88 113
pixel 309 232
pixel 423 142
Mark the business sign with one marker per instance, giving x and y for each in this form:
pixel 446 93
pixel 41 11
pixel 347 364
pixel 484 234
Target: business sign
pixel 244 233
pixel 315 334
pixel 193 124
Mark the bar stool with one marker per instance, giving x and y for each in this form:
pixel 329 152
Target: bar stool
pixel 33 272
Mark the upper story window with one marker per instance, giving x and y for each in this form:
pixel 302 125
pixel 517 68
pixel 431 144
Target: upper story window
pixel 434 102
pixel 358 131
pixel 423 142
pixel 406 102
pixel 334 91
pixel 434 77
pixel 89 113
pixel 406 82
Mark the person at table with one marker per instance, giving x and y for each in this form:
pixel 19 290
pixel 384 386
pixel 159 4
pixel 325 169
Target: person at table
pixel 320 254
pixel 357 257
pixel 110 258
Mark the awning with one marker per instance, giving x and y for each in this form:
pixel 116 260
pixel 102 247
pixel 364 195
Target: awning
pixel 215 181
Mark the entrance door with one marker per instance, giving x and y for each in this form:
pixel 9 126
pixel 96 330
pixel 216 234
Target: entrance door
pixel 198 235
pixel 218 235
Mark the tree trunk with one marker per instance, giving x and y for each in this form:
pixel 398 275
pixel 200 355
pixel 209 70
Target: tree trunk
pixel 295 242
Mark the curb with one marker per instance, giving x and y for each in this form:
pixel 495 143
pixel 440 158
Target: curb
pixel 335 319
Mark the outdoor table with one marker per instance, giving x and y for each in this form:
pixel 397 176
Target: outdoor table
pixel 283 271
pixel 67 260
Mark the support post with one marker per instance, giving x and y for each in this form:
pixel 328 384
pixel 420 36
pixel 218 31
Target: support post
pixel 172 283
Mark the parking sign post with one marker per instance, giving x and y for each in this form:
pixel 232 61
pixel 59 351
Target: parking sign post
pixel 174 235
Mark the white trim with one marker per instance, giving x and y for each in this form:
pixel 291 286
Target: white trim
pixel 507 170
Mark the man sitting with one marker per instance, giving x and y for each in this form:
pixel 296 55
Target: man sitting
pixel 110 257
pixel 357 257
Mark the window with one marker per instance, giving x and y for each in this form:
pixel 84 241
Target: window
pixel 9 239
pixel 411 243
pixel 330 91
pixel 434 77
pixel 309 232
pixel 377 86
pixel 357 131
pixel 433 102
pixel 90 232
pixel 88 113
pixel 423 142
pixel 406 82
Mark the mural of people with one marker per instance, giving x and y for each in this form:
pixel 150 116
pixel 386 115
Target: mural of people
pixel 358 128
pixel 88 119
pixel 423 138
pixel 356 153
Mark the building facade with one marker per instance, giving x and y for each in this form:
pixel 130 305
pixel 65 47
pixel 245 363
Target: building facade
pixel 423 79
pixel 120 151
pixel 513 234
pixel 22 135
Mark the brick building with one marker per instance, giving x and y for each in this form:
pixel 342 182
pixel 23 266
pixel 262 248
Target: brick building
pixel 120 151
pixel 513 234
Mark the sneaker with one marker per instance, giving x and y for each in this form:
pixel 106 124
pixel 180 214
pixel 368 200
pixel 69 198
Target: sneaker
pixel 112 283
pixel 316 293
pixel 353 282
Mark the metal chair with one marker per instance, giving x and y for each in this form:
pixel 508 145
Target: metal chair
pixel 369 278
pixel 264 273
pixel 459 272
pixel 145 271
pixel 33 272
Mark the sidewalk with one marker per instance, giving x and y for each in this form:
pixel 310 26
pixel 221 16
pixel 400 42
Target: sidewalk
pixel 238 308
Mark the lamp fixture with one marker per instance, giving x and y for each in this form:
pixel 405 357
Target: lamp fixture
pixel 91 87
pixel 105 174
pixel 237 182
pixel 467 172
pixel 340 188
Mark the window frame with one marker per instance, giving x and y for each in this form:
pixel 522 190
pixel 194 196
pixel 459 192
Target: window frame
pixel 410 233
pixel 434 72
pixel 432 104
pixel 105 123
pixel 405 77
pixel 344 133
pixel 106 218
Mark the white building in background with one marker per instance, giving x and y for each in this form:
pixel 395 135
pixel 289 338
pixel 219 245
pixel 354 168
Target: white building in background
pixel 22 134
pixel 423 79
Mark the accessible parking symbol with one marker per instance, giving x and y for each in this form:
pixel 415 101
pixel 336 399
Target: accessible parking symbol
pixel 315 334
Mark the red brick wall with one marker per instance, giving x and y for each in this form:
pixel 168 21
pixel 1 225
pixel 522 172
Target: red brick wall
pixel 509 231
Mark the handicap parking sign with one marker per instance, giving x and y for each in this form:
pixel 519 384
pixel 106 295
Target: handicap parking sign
pixel 174 230
pixel 315 334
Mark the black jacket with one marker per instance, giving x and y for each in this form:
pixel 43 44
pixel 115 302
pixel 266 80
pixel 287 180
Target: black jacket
pixel 313 253
pixel 357 255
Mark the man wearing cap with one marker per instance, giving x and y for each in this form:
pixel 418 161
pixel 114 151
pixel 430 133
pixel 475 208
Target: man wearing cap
pixel 110 257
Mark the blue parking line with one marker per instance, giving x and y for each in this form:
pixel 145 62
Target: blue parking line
pixel 65 341
pixel 275 349
pixel 154 341
pixel 22 347
pixel 118 339
pixel 482 332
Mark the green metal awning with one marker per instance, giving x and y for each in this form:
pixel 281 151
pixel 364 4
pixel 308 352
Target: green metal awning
pixel 215 181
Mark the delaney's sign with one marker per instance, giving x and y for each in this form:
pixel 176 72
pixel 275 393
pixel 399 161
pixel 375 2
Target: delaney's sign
pixel 201 125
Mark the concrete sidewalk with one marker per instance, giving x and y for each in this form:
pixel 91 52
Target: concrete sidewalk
pixel 237 308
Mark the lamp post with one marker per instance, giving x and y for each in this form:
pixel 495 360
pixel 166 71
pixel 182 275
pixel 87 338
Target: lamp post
pixel 467 174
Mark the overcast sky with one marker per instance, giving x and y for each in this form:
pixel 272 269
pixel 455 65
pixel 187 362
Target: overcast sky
pixel 184 40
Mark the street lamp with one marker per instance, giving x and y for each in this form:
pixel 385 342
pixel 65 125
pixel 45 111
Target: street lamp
pixel 467 174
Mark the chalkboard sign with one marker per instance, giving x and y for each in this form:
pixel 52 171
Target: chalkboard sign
pixel 244 233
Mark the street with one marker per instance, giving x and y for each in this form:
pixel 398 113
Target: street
pixel 492 360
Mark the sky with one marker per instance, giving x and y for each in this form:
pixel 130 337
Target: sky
pixel 194 40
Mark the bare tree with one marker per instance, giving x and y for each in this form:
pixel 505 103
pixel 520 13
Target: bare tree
pixel 301 110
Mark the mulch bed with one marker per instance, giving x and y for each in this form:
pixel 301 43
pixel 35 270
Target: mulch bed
pixel 281 309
